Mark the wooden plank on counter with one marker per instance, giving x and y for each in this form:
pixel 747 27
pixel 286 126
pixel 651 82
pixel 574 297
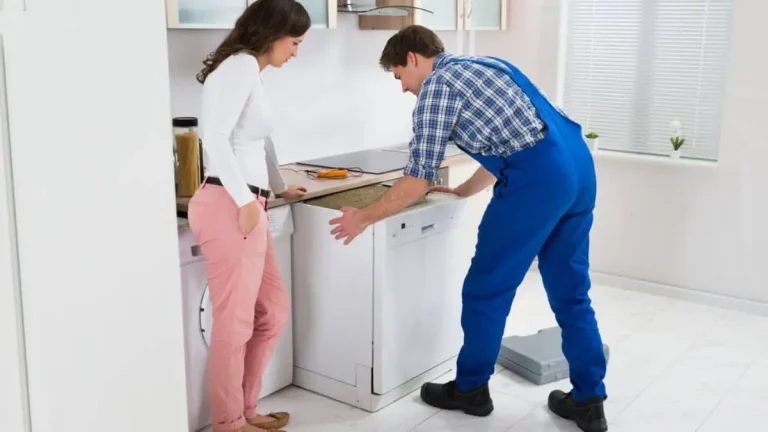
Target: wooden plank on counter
pixel 320 187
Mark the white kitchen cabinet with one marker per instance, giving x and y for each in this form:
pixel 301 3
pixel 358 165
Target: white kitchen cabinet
pixel 473 212
pixel 462 14
pixel 321 12
pixel 485 14
pixel 204 14
pixel 100 298
pixel 446 15
pixel 222 14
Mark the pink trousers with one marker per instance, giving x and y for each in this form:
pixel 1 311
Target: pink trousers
pixel 250 307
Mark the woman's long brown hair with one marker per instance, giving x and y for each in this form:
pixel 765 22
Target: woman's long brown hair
pixel 262 24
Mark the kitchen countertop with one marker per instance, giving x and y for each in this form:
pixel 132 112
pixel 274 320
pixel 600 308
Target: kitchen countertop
pixel 319 187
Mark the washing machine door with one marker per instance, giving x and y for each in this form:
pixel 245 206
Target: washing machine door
pixel 196 344
pixel 206 317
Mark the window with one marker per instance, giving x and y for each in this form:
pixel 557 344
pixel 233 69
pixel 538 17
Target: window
pixel 634 66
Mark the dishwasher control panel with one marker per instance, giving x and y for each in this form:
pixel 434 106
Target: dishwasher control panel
pixel 442 212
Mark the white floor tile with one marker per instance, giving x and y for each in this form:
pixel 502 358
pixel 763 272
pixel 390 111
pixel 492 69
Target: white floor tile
pixel 541 419
pixel 674 366
pixel 744 407
pixel 738 413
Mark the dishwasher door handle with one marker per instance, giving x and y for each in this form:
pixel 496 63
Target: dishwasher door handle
pixel 426 229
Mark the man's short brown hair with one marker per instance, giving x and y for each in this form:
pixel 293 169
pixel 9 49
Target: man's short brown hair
pixel 414 38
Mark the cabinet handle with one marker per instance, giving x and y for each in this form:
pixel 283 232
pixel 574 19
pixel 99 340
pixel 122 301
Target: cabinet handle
pixel 471 8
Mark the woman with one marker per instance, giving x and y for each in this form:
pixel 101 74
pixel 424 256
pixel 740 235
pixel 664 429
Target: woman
pixel 228 212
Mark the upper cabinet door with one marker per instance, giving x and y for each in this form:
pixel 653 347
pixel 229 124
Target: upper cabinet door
pixel 205 14
pixel 445 16
pixel 222 14
pixel 485 14
pixel 321 12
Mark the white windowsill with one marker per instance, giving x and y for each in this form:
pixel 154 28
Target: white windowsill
pixel 601 154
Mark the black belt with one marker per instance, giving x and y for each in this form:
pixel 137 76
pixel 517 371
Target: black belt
pixel 265 193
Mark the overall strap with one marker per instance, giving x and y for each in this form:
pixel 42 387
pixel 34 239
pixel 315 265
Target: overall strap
pixel 537 97
pixel 512 72
pixel 551 116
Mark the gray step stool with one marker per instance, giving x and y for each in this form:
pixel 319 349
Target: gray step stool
pixel 537 357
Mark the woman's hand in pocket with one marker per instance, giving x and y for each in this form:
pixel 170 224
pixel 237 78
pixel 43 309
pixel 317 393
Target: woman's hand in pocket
pixel 248 216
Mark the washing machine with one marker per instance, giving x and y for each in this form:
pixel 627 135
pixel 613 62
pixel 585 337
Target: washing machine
pixel 198 322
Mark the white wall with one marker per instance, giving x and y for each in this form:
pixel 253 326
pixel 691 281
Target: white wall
pixel 684 224
pixel 530 41
pixel 98 250
pixel 695 225
pixel 332 98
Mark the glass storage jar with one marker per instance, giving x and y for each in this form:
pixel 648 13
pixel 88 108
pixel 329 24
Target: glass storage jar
pixel 189 156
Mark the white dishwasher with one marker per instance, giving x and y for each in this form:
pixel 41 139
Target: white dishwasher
pixel 375 319
pixel 198 322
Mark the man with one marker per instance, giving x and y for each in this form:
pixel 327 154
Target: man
pixel 543 197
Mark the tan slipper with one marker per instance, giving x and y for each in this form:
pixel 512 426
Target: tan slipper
pixel 251 428
pixel 280 420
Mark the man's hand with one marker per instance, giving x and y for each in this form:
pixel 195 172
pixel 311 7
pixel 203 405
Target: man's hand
pixel 402 194
pixel 349 225
pixel 480 180
pixel 445 189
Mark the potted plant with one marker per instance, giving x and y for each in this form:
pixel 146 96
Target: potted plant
pixel 592 140
pixel 677 139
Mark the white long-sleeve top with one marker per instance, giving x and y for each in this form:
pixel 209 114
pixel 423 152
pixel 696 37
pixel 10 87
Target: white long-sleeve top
pixel 235 127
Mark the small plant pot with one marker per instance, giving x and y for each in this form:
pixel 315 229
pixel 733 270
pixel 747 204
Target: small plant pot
pixel 592 143
pixel 675 154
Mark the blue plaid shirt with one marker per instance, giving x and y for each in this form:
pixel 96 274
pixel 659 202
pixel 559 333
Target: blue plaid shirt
pixel 479 108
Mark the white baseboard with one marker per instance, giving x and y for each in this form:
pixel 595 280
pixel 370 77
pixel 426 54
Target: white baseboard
pixel 701 297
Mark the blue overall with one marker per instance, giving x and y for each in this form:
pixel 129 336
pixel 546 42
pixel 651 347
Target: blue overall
pixel 542 205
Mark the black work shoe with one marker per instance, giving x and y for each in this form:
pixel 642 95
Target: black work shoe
pixel 588 415
pixel 447 396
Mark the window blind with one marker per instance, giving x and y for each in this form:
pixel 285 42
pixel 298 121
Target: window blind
pixel 634 66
